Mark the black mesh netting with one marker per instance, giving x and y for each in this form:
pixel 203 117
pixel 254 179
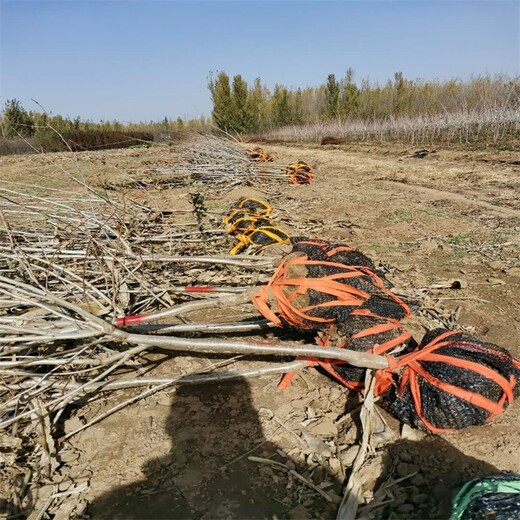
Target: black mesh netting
pixel 317 249
pixel 301 176
pixel 245 223
pixel 378 301
pixel 258 207
pixel 325 251
pixel 269 235
pixel 441 408
pixel 303 166
pixel 235 215
pixel 380 342
pixel 491 498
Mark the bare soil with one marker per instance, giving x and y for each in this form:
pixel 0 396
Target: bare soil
pixel 183 453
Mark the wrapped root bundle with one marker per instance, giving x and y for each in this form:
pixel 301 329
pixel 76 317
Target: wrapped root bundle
pixel 363 333
pixel 299 173
pixel 315 294
pixel 317 249
pixel 261 237
pixel 451 381
pixel 254 206
pixel 259 154
pixel 245 223
pixel 249 221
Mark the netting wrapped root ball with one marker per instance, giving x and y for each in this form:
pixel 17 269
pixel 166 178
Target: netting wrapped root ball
pixel 314 294
pixel 451 381
pixel 363 333
pixel 259 154
pixel 255 206
pixel 248 223
pixel 234 215
pixel 301 177
pixel 299 173
pixel 249 220
pixel 495 497
pixel 317 249
pixel 260 238
pixel 247 207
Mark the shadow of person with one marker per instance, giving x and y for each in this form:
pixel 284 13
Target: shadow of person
pixel 6 508
pixel 207 473
pixel 420 479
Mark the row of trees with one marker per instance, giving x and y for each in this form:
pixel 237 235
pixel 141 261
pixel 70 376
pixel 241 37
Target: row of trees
pixel 16 121
pixel 239 107
pixel 247 108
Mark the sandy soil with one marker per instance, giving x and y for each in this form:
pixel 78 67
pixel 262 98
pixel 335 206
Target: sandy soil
pixel 184 453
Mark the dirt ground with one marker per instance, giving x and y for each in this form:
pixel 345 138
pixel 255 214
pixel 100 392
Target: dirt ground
pixel 183 453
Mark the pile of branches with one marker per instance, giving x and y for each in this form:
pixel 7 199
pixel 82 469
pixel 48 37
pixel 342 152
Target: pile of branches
pixel 70 266
pixel 205 158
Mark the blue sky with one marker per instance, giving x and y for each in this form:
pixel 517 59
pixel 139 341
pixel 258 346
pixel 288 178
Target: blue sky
pixel 143 60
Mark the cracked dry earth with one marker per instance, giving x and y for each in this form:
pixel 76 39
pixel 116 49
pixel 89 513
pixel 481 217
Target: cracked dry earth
pixel 183 453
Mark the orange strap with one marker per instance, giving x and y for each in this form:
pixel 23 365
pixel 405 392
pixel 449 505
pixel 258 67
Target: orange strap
pixel 471 397
pixel 379 349
pixel 324 246
pixel 413 369
pixel 339 249
pixel 384 378
pixel 328 364
pixel 345 294
pixel 313 242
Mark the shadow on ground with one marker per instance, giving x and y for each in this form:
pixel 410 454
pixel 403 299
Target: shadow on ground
pixel 210 427
pixel 207 473
pixel 429 473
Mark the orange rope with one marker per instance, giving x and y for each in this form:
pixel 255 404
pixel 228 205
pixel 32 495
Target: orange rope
pixel 344 294
pixel 413 370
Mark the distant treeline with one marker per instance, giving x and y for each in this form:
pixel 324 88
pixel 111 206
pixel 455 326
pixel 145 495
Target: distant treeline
pixel 483 108
pixel 239 107
pixel 24 131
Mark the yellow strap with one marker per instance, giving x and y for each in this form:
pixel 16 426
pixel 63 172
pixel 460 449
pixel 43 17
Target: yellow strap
pixel 237 249
pixel 246 239
pixel 260 201
pixel 293 168
pixel 272 235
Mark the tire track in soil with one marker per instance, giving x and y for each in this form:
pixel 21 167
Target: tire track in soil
pixel 452 196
